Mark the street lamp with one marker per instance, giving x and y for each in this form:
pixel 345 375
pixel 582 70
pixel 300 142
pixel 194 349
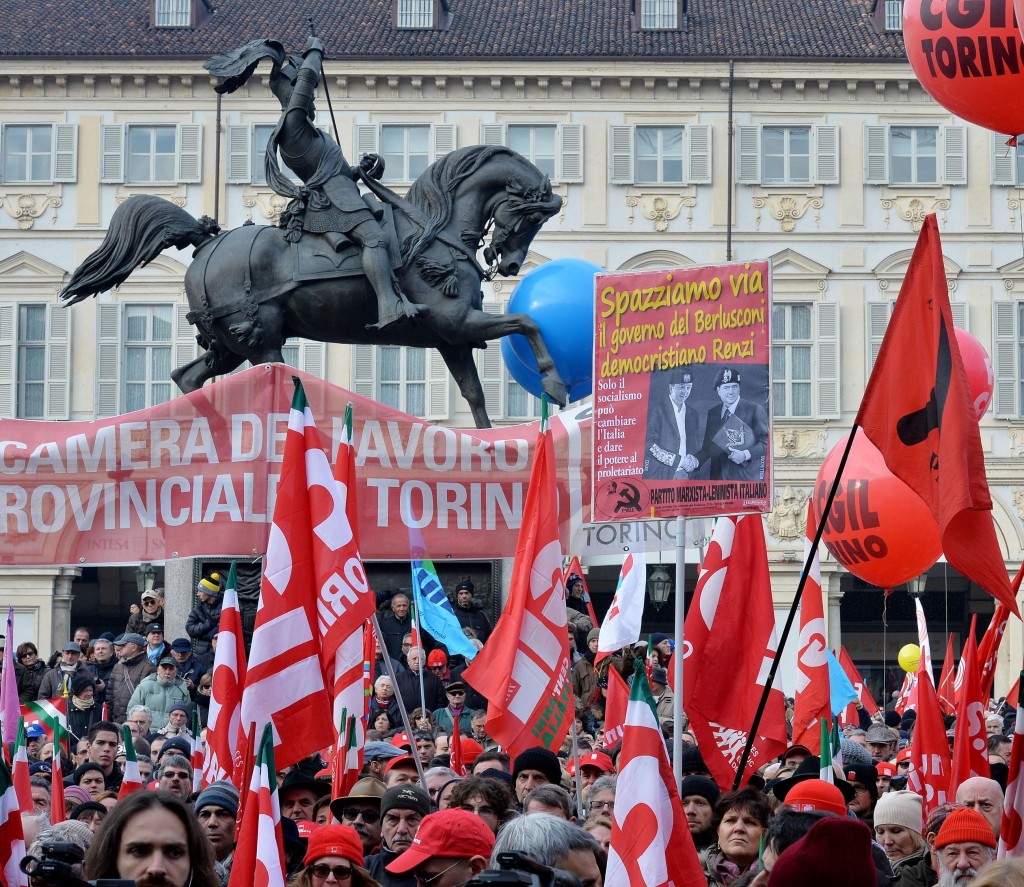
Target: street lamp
pixel 659 586
pixel 915 586
pixel 145 576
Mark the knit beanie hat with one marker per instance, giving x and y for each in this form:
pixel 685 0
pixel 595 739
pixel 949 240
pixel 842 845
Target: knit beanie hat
pixel 702 786
pixel 335 840
pixel 80 683
pixel 901 808
pixel 816 794
pixel 405 797
pixel 965 825
pixel 538 758
pixel 836 851
pixel 593 635
pixel 218 794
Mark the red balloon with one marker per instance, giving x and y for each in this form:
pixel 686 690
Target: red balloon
pixel 878 528
pixel 978 365
pixel 968 56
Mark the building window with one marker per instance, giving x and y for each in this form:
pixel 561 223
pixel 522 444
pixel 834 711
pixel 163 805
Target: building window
pixel 894 15
pixel 538 144
pixel 28 153
pixel 415 14
pixel 785 155
pixel 659 155
pixel 260 139
pixel 154 154
pixel 151 154
pixel 519 403
pixel 406 151
pixel 173 13
pixel 791 360
pixel 402 379
pixel 913 155
pixel 31 397
pixel 149 338
pixel 659 14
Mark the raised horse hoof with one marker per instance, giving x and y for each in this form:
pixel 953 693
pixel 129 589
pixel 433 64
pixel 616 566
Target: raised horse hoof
pixel 555 389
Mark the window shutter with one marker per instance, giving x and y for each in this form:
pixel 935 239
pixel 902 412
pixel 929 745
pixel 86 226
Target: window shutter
pixel 112 154
pixel 8 350
pixel 960 316
pixel 108 360
pixel 190 154
pixel 1004 326
pixel 748 155
pixel 699 155
pixel 366 140
pixel 876 155
pixel 1004 161
pixel 491 368
pixel 313 357
pixel 364 371
pixel 571 137
pixel 186 348
pixel 622 155
pixel 826 154
pixel 444 139
pixel 878 319
pixel 827 348
pixel 65 158
pixel 438 387
pixel 58 362
pixel 239 169
pixel 492 133
pixel 954 155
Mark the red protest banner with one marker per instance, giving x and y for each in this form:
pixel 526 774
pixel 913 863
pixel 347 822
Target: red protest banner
pixel 682 422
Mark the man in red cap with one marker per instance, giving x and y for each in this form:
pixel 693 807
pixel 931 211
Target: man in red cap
pixel 450 848
pixel 592 765
pixel 964 846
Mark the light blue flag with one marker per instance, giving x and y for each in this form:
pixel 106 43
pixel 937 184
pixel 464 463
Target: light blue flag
pixel 436 613
pixel 842 691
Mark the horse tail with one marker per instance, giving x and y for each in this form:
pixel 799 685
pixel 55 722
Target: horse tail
pixel 140 229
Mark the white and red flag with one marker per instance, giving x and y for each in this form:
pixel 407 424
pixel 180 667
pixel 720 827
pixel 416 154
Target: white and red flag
pixel 523 670
pixel 813 688
pixel 12 837
pixel 1011 835
pixel 58 812
pixel 970 745
pixel 615 707
pixel 849 715
pixel 576 567
pixel 929 753
pixel 197 753
pixel 621 626
pixel 907 700
pixel 258 860
pixel 225 740
pixel 988 649
pixel 10 705
pixel 457 764
pixel 19 770
pixel 922 640
pixel 47 713
pixel 132 781
pixel 946 691
pixel 732 620
pixel 651 844
pixel 313 596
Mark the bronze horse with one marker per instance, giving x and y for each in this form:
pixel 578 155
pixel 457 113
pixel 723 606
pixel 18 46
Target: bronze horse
pixel 246 301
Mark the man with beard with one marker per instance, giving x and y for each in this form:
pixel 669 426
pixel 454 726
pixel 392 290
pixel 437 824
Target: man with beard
pixel 964 846
pixel 699 796
pixel 103 741
pixel 127 674
pixel 360 809
pixel 402 810
pixel 216 807
pixel 467 612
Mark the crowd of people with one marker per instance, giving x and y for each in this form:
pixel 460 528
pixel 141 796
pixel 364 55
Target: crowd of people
pixel 411 819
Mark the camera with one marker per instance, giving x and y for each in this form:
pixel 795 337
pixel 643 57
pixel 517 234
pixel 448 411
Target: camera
pixel 61 865
pixel 516 868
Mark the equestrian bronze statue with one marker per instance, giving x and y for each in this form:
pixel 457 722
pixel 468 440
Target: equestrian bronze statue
pixel 343 266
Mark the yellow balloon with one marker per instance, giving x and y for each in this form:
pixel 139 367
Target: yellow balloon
pixel 909 657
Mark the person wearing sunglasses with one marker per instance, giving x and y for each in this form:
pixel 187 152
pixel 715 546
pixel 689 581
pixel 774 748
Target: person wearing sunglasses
pixel 452 847
pixel 334 858
pixel 360 809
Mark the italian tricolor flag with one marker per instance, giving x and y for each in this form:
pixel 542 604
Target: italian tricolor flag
pixel 12 838
pixel 48 713
pixel 132 781
pixel 258 860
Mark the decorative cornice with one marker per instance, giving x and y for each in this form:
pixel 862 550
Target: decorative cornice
pixel 913 209
pixel 798 443
pixel 660 208
pixel 270 204
pixel 787 209
pixel 26 206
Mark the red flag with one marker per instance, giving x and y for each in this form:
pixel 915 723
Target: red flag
pixel 457 764
pixel 970 747
pixel 258 860
pixel 615 707
pixel 58 811
pixel 732 621
pixel 946 692
pixel 849 715
pixel 12 837
pixel 1013 694
pixel 313 594
pixel 917 410
pixel 197 753
pixel 929 753
pixel 1011 835
pixel 577 568
pixel 19 770
pixel 651 844
pixel 224 736
pixel 132 781
pixel 523 670
pixel 988 650
pixel 813 689
pixel 907 700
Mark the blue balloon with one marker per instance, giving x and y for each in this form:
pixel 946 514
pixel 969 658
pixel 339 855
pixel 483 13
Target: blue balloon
pixel 559 296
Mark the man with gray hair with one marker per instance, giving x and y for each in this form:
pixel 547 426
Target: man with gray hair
pixel 408 684
pixel 133 666
pixel 601 800
pixel 964 846
pixel 551 799
pixel 552 842
pixel 176 775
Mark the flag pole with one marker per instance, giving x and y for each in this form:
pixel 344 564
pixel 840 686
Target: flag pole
pixel 401 705
pixel 793 608
pixel 677 656
pixel 423 658
pixel 576 758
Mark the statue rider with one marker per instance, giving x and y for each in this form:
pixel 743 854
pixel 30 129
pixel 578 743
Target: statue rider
pixel 330 201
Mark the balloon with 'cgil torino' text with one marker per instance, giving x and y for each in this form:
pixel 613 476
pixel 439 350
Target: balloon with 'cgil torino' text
pixel 969 57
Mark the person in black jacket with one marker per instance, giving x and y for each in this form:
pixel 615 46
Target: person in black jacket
pixel 83 711
pixel 204 619
pixel 467 612
pixel 397 624
pixel 29 671
pixel 409 684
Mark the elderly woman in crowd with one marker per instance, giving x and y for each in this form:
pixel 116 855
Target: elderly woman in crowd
pixel 334 856
pixel 740 819
pixel 383 700
pixel 899 818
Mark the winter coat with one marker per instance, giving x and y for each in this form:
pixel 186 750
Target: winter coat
pixel 375 866
pixel 202 624
pixel 474 618
pixel 584 681
pixel 80 720
pixel 124 679
pixel 394 629
pixel 474 699
pixel 409 689
pixel 391 710
pixel 29 678
pixel 915 871
pixel 56 683
pixel 445 720
pixel 707 860
pixel 159 696
pixel 139 622
pixel 102 673
pixel 192 670
pixel 665 705
pixel 155 655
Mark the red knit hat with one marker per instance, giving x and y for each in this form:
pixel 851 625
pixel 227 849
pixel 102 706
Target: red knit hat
pixel 816 794
pixel 836 851
pixel 964 826
pixel 335 840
